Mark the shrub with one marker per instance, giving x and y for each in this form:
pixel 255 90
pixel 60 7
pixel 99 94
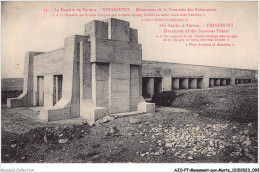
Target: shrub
pixel 164 99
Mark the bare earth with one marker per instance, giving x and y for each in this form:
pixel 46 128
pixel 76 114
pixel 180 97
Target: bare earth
pixel 212 125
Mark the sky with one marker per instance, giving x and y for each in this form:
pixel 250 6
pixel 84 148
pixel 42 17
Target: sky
pixel 26 27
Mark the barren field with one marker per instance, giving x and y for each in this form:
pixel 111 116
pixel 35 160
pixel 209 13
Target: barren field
pixel 217 125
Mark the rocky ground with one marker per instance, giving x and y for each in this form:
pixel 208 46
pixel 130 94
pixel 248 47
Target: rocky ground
pixel 212 125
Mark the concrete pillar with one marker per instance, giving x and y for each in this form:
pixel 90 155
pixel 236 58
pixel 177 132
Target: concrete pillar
pixel 184 83
pixel 205 82
pixel 150 87
pixel 217 82
pixel 167 83
pixel 223 82
pixel 211 82
pixel 233 81
pixel 199 83
pixel 193 83
pixel 175 83
pixel 241 81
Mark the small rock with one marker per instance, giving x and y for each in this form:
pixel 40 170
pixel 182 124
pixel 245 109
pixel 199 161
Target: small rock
pixel 153 136
pixel 169 145
pixel 91 123
pixel 160 125
pixel 196 115
pixel 63 141
pixel 98 122
pixel 161 150
pixel 222 99
pixel 45 139
pixel 156 153
pixel 190 158
pixel 107 118
pixel 13 145
pixel 134 121
pixel 246 131
pixel 60 135
pixel 113 130
pixel 56 128
pixel 142 155
pixel 23 158
pixel 209 125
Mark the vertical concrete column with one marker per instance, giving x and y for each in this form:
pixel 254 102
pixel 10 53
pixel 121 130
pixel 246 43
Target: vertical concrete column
pixel 167 83
pixel 150 87
pixel 134 87
pixel 71 75
pixel 217 82
pixel 223 82
pixel 184 83
pixel 48 90
pixel 81 67
pixel 241 81
pixel 193 83
pixel 211 82
pixel 200 83
pixel 175 83
pixel 233 80
pixel 85 71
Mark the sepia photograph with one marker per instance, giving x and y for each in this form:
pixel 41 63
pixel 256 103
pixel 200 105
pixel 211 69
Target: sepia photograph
pixel 130 82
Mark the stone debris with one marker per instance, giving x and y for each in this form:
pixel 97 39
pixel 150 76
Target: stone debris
pixel 112 130
pixel 98 122
pixel 190 158
pixel 169 145
pixel 45 139
pixel 157 153
pixel 222 99
pixel 207 141
pixel 161 150
pixel 63 141
pixel 142 155
pixel 134 121
pixel 13 145
pixel 107 119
